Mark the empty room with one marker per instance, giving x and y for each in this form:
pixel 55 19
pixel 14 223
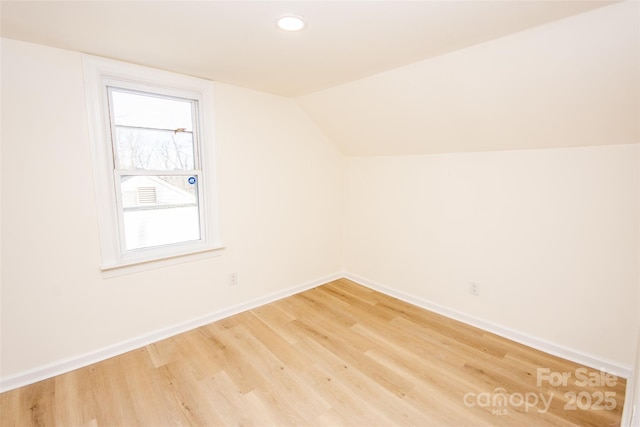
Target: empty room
pixel 320 213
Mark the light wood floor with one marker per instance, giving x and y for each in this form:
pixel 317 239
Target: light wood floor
pixel 339 354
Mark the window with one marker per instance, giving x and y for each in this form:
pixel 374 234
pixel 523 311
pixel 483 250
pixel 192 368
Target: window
pixel 152 148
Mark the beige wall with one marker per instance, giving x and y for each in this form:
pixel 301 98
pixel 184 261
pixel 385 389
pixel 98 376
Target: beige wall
pixel 280 203
pixel 551 236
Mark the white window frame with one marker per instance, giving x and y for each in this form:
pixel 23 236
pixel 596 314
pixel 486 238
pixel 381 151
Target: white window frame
pixel 100 73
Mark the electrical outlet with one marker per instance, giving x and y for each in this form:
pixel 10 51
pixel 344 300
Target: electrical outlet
pixel 474 288
pixel 233 279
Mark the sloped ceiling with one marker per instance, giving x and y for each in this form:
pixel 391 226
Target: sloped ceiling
pixel 572 82
pixel 237 42
pixel 386 77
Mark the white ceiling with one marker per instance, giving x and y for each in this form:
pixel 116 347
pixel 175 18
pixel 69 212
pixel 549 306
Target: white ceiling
pixel 573 82
pixel 237 42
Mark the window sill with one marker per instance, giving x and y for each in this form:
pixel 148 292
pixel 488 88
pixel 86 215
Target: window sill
pixel 138 265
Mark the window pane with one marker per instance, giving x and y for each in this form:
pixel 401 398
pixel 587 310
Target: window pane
pixel 153 149
pixel 160 210
pixel 148 111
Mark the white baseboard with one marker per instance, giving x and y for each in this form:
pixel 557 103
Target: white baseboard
pixel 522 338
pixel 67 365
pixel 73 363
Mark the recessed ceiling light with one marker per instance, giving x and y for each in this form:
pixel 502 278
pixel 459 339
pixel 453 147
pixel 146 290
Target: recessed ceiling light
pixel 290 23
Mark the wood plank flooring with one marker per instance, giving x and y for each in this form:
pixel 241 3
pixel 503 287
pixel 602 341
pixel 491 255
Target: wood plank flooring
pixel 336 355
